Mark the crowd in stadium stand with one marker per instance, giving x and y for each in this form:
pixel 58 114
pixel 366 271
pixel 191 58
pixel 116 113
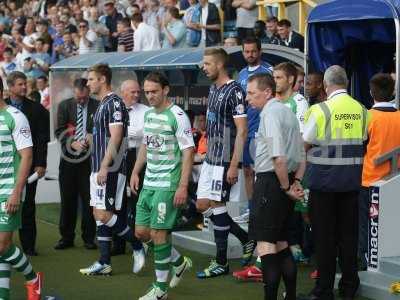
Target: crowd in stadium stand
pixel 36 34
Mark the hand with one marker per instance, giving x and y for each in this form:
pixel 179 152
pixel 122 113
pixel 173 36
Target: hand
pixel 180 196
pixel 102 176
pixel 13 203
pixel 88 140
pixel 295 193
pixel 115 34
pixel 41 171
pixel 232 175
pixel 134 184
pixel 78 146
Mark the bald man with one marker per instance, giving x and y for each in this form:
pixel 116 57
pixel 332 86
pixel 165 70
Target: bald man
pixel 130 93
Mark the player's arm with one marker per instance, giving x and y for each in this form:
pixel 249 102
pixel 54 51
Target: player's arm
pixel 14 200
pixel 186 145
pixel 241 130
pixel 116 135
pixel 23 143
pixel 139 165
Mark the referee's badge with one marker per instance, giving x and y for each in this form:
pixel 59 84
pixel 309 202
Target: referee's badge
pixel 239 95
pixel 111 200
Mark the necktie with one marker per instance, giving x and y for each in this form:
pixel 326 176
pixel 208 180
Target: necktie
pixel 79 134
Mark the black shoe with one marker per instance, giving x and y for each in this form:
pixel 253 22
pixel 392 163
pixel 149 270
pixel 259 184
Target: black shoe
pixel 117 251
pixel 90 246
pixel 61 245
pixel 31 252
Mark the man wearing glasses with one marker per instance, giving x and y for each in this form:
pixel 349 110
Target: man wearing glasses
pixel 88 40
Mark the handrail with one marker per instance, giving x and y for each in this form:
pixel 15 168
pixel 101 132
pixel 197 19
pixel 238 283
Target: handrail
pixel 262 14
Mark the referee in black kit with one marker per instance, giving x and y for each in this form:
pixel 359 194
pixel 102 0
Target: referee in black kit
pixel 279 166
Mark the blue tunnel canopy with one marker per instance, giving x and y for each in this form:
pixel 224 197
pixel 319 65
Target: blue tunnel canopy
pixel 182 58
pixel 357 34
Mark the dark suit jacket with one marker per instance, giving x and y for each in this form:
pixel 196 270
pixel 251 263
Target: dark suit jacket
pixel 66 122
pixel 297 41
pixel 39 122
pixel 213 37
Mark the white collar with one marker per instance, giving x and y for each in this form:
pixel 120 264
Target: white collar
pixel 337 92
pixel 383 104
pixel 253 68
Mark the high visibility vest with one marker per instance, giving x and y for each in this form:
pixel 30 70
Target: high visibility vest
pixel 384 136
pixel 334 164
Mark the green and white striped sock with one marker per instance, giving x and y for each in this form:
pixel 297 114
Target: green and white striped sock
pixel 5 275
pixel 162 259
pixel 258 262
pixel 176 258
pixel 18 260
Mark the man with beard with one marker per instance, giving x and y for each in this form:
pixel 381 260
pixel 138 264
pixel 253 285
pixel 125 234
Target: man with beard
pixel 226 134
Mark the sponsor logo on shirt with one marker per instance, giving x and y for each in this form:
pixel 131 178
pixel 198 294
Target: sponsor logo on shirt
pixel 240 109
pixel 188 132
pixel 25 131
pixel 117 116
pixel 155 141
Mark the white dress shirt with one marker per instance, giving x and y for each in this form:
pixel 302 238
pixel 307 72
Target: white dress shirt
pixel 146 38
pixel 136 124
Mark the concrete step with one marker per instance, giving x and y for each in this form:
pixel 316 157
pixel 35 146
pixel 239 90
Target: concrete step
pixel 390 266
pixel 203 242
pixel 375 285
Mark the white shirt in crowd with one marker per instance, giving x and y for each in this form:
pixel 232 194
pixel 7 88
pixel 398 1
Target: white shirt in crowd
pixel 204 16
pixel 136 124
pixel 146 38
pixel 91 36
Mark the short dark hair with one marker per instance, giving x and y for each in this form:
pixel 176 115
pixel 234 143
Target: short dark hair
pixel 272 19
pixel 219 53
pixel 252 40
pixel 41 40
pixel 102 70
pixel 14 76
pixel 285 23
pixel 382 87
pixel 157 77
pixel 135 5
pixel 84 21
pixel 137 18
pixel 126 22
pixel 289 69
pixel 174 12
pixel 8 50
pixel 44 77
pixel 318 75
pixel 80 84
pixel 264 81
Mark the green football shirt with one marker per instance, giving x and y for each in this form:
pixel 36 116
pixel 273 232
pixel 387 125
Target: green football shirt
pixel 166 135
pixel 15 135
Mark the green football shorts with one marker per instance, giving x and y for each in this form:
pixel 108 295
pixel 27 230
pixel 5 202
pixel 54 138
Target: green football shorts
pixel 155 209
pixel 9 223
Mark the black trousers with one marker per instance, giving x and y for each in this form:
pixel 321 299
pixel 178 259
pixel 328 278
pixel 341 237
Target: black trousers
pixel 75 189
pixel 128 208
pixel 334 218
pixel 27 233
